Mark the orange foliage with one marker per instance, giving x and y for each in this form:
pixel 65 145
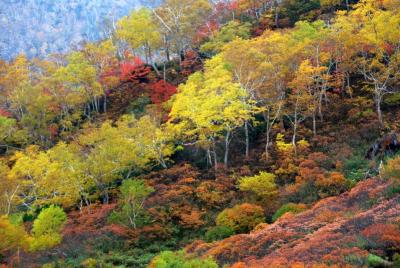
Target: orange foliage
pixel 386 235
pixel 191 219
pixel 328 215
pixel 241 218
pixel 90 219
pixel 212 193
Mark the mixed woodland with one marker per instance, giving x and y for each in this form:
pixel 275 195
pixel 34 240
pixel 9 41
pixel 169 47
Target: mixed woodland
pixel 205 134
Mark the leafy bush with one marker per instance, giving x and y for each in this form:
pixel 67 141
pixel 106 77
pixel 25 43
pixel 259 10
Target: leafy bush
pixel 376 261
pixel 89 263
pixel 47 227
pixel 290 207
pixel 263 185
pixel 355 168
pixel 169 259
pixel 133 194
pixel 11 236
pixel 218 233
pixel 241 218
pixel 392 169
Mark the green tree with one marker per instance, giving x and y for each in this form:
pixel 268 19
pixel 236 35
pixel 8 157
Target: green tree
pixel 133 194
pixel 226 34
pixel 47 227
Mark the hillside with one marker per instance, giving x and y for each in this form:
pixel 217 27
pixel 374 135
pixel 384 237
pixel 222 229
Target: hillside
pixel 342 230
pixel 204 134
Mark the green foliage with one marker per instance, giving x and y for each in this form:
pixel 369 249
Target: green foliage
pixel 376 261
pixel 241 218
pixel 393 99
pixel 355 167
pixel 299 9
pixel 392 190
pixel 133 194
pixel 396 260
pixel 47 227
pixel 354 259
pixel 218 233
pixel 169 259
pixel 290 207
pixel 138 106
pixel 226 34
pixel 140 31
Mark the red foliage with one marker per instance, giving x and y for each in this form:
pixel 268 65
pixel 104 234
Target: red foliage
pixel 318 237
pixel 206 30
pixel 53 128
pixel 161 91
pixel 134 71
pixel 5 113
pixel 385 235
pixel 191 63
pixel 90 219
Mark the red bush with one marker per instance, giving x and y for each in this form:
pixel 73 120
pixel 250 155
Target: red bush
pixel 161 91
pixel 134 71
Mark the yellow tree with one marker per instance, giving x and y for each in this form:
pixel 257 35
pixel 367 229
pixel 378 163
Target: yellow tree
pixel 9 190
pixel 300 104
pixel 130 146
pixel 211 104
pixel 376 55
pixel 103 57
pixel 310 41
pixel 262 67
pixel 141 32
pixel 78 84
pixel 50 177
pixel 13 79
pixel 311 80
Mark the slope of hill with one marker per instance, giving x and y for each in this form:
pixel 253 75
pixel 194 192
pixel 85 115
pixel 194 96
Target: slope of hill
pixel 341 230
pixel 252 109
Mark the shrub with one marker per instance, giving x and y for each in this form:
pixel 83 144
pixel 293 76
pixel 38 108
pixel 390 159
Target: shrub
pixel 355 168
pixel 11 236
pixel 290 207
pixel 169 259
pixel 89 263
pixel 218 233
pixel 241 218
pixel 392 169
pixel 133 194
pixel 263 185
pixel 383 236
pixel 47 227
pixel 376 261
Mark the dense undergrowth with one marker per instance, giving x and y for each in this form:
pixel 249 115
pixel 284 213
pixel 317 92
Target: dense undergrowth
pixel 266 137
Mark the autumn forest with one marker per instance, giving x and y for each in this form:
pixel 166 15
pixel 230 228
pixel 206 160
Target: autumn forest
pixel 206 134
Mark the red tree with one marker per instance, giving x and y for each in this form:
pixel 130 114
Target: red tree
pixel 191 63
pixel 161 91
pixel 134 71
